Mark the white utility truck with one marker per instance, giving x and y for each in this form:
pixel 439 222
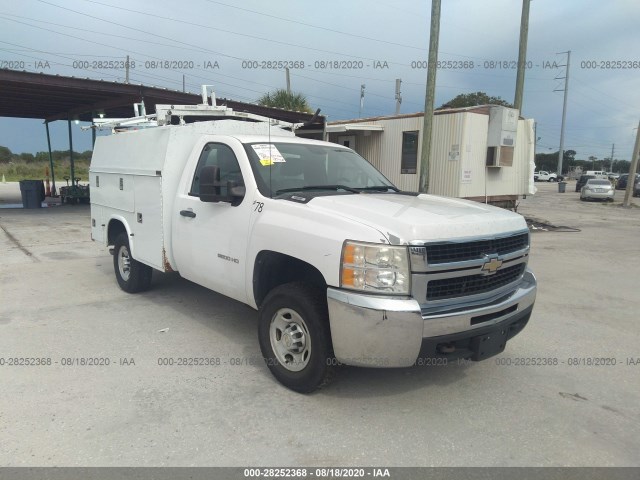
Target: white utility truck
pixel 543 176
pixel 342 267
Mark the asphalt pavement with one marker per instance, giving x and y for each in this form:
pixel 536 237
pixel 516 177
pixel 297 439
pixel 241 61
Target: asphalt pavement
pixel 103 387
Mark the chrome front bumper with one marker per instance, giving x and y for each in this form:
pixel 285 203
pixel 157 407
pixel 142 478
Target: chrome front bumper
pixel 374 331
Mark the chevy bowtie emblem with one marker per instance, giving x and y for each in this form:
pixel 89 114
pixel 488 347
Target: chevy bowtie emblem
pixel 491 265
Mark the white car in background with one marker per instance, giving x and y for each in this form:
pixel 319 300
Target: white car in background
pixel 597 189
pixel 543 176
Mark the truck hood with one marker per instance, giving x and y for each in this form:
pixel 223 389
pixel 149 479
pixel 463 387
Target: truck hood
pixel 402 218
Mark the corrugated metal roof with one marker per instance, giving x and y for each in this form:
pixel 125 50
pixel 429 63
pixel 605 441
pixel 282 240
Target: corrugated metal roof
pixel 55 97
pixel 479 109
pixel 346 127
pixel 376 119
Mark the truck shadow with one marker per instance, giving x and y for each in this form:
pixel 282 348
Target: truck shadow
pixel 236 324
pixel 354 382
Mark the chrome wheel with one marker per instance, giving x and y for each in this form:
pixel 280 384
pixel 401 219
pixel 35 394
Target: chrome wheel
pixel 290 340
pixel 124 263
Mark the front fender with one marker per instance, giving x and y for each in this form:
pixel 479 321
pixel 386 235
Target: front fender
pixel 299 231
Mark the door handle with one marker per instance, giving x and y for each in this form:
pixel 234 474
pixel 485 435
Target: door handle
pixel 188 213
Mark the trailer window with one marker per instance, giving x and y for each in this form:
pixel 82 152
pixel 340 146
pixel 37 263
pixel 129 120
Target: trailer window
pixel 221 156
pixel 409 158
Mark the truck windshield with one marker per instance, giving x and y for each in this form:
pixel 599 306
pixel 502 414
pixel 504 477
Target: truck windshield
pixel 288 167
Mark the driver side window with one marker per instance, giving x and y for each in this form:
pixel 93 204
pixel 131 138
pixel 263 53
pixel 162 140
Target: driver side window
pixel 221 156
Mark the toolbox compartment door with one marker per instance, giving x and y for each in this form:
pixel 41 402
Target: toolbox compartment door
pixel 147 222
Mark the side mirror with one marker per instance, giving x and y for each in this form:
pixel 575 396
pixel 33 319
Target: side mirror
pixel 213 190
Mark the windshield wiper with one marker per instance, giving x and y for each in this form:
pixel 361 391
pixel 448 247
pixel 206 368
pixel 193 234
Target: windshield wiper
pixel 378 188
pixel 318 187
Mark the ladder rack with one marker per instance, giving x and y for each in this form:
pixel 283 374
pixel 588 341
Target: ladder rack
pixel 165 113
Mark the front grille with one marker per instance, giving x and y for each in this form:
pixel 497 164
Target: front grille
pixel 461 252
pixel 473 284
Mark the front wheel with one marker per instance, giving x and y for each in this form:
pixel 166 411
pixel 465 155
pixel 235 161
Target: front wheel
pixel 295 337
pixel 132 275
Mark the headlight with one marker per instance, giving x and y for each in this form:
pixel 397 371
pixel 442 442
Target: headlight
pixel 375 268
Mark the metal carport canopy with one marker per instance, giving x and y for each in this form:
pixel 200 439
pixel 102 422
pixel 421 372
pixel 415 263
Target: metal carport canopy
pixel 54 97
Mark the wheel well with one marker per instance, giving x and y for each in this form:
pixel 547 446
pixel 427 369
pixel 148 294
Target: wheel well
pixel 272 269
pixel 116 227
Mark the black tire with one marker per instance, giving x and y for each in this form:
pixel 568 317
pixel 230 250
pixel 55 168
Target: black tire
pixel 305 307
pixel 132 276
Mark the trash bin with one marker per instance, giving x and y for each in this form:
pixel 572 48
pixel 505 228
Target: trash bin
pixel 562 186
pixel 32 192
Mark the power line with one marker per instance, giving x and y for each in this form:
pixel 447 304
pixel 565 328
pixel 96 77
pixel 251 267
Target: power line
pixel 150 56
pixel 282 19
pixel 626 104
pixel 289 44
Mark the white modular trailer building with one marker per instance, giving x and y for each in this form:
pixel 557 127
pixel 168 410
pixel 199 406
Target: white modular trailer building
pixel 483 153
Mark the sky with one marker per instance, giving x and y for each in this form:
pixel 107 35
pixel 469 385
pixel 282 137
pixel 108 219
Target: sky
pixel 333 47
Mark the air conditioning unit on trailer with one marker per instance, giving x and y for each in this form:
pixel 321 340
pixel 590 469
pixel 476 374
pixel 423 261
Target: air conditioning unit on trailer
pixel 501 137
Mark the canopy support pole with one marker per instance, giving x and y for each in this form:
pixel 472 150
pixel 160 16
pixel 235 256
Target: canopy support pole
pixel 53 176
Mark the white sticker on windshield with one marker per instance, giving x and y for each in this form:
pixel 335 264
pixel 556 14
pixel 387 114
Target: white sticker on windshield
pixel 268 154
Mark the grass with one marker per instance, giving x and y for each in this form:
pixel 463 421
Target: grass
pixel 16 171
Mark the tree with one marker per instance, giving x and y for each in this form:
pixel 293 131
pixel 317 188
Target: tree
pixel 27 157
pixel 622 166
pixel 568 156
pixel 296 102
pixel 5 155
pixel 568 160
pixel 547 161
pixel 474 99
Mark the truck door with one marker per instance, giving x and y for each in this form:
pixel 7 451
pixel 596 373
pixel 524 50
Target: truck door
pixel 210 239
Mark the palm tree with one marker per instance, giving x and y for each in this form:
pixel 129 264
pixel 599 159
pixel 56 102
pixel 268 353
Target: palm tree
pixel 289 101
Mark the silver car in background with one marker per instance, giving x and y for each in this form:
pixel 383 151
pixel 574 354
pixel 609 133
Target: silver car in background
pixel 597 189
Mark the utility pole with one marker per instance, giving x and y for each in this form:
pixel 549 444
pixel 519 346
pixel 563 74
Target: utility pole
pixel 288 80
pixel 423 185
pixel 522 55
pixel 73 171
pixel 398 95
pixel 183 83
pixel 631 179
pixel 126 66
pixel 564 110
pixel 362 87
pixel 613 147
pixel 535 141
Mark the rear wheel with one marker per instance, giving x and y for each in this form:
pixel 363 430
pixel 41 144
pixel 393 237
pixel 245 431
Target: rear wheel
pixel 132 275
pixel 295 338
